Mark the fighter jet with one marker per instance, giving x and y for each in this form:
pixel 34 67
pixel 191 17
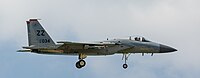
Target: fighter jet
pixel 40 42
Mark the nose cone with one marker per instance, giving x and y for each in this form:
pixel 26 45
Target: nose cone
pixel 166 49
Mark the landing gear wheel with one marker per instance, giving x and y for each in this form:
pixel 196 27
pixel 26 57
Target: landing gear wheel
pixel 78 65
pixel 125 66
pixel 125 58
pixel 82 63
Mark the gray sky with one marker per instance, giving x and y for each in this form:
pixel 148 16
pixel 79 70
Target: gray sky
pixel 172 22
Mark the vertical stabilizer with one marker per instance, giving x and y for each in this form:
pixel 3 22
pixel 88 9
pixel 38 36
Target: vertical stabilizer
pixel 37 36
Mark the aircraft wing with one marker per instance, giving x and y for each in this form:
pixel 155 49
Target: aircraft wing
pixel 87 43
pixel 82 45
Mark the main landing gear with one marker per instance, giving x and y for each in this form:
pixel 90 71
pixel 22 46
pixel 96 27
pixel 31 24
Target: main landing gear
pixel 81 63
pixel 125 58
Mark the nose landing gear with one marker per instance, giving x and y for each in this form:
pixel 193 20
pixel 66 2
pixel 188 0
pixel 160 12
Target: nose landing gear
pixel 125 66
pixel 125 58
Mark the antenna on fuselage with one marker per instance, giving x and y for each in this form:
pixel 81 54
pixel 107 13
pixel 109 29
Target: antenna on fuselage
pixel 130 38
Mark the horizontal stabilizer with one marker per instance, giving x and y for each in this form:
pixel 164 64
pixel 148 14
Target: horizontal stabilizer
pixel 24 50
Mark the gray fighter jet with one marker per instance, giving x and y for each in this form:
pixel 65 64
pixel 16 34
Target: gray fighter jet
pixel 40 42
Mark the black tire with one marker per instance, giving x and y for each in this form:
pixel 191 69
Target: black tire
pixel 78 65
pixel 82 63
pixel 125 66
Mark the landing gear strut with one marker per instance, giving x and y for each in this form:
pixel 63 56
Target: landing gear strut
pixel 81 63
pixel 125 58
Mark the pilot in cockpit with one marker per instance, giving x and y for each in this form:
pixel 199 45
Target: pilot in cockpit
pixel 142 39
pixel 137 39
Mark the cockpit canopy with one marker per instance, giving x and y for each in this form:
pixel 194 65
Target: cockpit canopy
pixel 142 39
